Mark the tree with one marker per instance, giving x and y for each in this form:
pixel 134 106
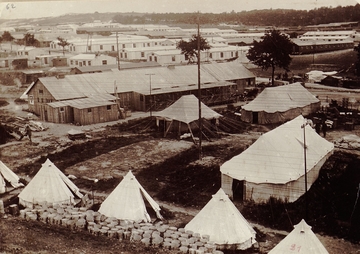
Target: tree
pixel 273 50
pixel 6 36
pixel 189 48
pixel 29 40
pixel 62 43
pixel 357 63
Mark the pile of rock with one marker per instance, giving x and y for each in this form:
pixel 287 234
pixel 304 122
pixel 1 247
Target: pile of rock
pixel 159 235
pixel 350 141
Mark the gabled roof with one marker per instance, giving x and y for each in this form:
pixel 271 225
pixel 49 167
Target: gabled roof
pixel 278 156
pixel 49 185
pixel 186 110
pixel 168 52
pixel 325 41
pixel 27 48
pixel 126 201
pixel 281 99
pixel 109 67
pixel 301 240
pixel 223 222
pixel 83 56
pixel 6 175
pixel 89 102
pixel 137 80
pixel 78 86
pixel 151 49
pixel 227 71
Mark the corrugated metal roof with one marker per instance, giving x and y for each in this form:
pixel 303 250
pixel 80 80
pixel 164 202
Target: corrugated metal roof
pixel 227 71
pixel 316 33
pixel 33 72
pixel 190 87
pixel 91 102
pixel 83 56
pixel 139 49
pixel 168 52
pixel 51 56
pixel 123 65
pixel 138 80
pixel 223 49
pixel 312 42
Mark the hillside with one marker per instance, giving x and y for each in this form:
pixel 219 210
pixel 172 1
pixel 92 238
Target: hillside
pixel 268 17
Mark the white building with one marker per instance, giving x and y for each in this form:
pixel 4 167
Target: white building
pixel 47 60
pixel 327 38
pixel 330 36
pixel 98 23
pixel 224 53
pixel 151 27
pixel 111 43
pixel 345 34
pixel 30 52
pixel 142 53
pixel 243 38
pixel 210 31
pixel 91 60
pixel 167 57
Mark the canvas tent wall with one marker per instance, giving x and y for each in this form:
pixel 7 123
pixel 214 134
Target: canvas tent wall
pixel 185 110
pixel 301 240
pixel 49 185
pixel 8 176
pixel 126 201
pixel 274 165
pixel 280 104
pixel 223 223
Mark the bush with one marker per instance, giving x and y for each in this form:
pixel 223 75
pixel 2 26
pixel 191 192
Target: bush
pixel 3 103
pixel 20 101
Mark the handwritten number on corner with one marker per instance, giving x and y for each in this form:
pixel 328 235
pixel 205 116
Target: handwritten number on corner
pixel 10 6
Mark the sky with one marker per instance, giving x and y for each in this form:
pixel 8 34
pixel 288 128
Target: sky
pixel 37 9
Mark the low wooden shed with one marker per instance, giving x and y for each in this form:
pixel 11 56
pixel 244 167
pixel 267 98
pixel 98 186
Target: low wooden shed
pixel 84 111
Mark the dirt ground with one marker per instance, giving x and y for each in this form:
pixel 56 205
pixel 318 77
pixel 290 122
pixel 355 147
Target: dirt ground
pixel 168 169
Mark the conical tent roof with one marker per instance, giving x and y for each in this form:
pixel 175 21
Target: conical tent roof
pixel 7 175
pixel 223 222
pixel 126 201
pixel 300 240
pixel 49 185
pixel 186 110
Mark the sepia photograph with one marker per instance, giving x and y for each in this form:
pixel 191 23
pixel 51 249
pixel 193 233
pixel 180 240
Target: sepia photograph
pixel 168 127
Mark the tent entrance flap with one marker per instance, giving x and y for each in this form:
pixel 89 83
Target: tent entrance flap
pixel 255 117
pixel 238 189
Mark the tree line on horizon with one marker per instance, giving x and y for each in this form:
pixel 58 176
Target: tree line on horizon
pixel 268 17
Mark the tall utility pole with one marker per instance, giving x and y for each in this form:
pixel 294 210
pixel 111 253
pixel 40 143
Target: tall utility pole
pixel 314 48
pixel 199 89
pixel 306 197
pixel 150 99
pixel 117 52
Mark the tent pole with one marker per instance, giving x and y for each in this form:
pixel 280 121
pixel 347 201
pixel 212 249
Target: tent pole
pixel 305 166
pixel 207 138
pixel 199 87
pixel 168 128
pixel 192 135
